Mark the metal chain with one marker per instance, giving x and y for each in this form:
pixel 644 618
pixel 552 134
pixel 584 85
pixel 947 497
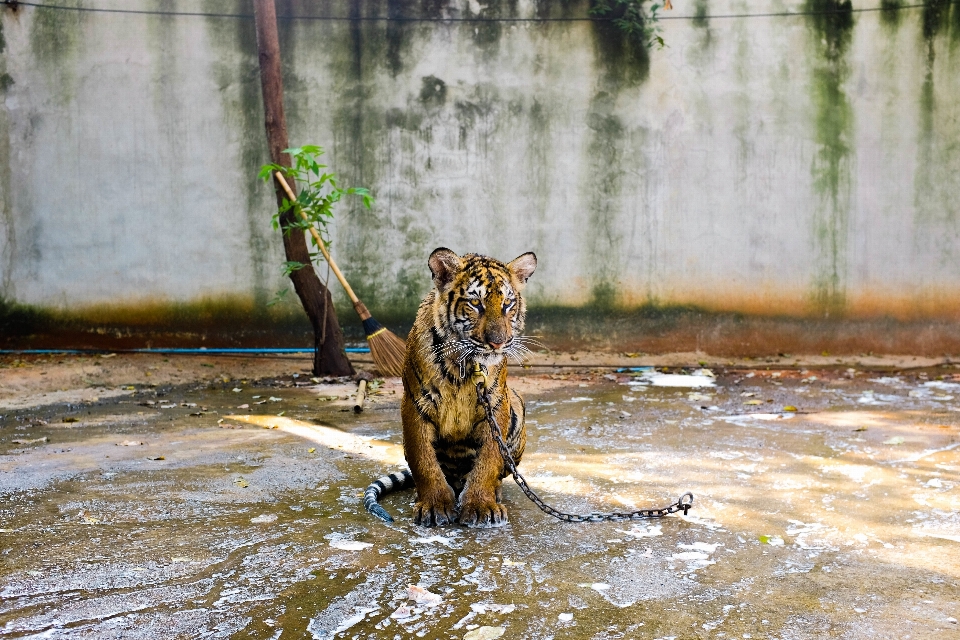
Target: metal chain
pixel 683 504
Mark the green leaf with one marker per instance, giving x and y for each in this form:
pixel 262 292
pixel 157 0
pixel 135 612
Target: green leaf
pixel 267 170
pixel 291 266
pixel 278 297
pixel 318 194
pixel 636 19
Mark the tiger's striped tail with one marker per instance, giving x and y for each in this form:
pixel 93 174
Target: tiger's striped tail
pixel 382 486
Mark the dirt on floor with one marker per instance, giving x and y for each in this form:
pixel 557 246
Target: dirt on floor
pixel 26 380
pixel 147 496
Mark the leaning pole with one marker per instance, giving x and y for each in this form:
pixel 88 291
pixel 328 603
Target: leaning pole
pixel 329 357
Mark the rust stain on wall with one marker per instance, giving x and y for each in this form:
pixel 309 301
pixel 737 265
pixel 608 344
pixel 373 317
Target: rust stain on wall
pixel 933 303
pixel 241 322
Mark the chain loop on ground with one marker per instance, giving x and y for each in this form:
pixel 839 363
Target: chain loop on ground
pixel 684 503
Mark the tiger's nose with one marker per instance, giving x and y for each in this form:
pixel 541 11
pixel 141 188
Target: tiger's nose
pixel 495 336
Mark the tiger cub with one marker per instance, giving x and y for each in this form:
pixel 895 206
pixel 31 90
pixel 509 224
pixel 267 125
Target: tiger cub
pixel 473 316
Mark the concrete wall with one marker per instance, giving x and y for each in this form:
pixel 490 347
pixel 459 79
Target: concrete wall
pixel 776 165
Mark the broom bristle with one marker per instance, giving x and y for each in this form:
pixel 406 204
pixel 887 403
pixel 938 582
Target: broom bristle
pixel 388 351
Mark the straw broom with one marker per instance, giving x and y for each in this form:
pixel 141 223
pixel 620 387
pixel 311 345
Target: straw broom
pixel 386 347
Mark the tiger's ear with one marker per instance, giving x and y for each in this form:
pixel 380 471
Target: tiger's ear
pixel 524 266
pixel 444 265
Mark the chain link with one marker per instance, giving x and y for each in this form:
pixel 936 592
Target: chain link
pixel 683 504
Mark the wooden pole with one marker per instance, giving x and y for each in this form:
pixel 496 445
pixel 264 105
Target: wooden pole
pixel 361 394
pixel 329 357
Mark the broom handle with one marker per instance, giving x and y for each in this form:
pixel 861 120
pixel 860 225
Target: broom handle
pixel 359 306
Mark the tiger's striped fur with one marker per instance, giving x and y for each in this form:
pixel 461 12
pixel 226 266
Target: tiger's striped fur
pixel 474 315
pixel 381 486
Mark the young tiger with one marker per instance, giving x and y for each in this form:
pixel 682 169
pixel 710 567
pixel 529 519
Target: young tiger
pixel 473 316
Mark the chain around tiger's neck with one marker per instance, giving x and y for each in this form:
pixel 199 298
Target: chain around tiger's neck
pixel 480 376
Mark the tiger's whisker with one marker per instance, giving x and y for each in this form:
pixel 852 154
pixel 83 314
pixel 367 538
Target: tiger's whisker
pixel 525 340
pixel 521 354
pixel 449 349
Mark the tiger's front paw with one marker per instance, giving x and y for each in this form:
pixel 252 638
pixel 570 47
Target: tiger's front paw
pixel 482 514
pixel 436 508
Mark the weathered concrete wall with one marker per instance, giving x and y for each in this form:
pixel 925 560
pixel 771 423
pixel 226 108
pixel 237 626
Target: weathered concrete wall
pixel 778 165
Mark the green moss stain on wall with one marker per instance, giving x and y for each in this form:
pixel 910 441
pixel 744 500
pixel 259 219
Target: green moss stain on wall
pixel 702 57
pixel 55 35
pixel 831 24
pixel 56 39
pixel 621 60
pixel 393 149
pixel 743 108
pixel 433 92
pixel 931 23
pixel 413 128
pixel 891 13
pixel 701 19
pixel 604 231
pixel 487 31
pixel 399 33
pixel 223 321
pixel 357 51
pixel 701 22
pixel 937 177
pixel 8 247
pixel 621 65
pixel 484 115
pixel 892 132
pixel 538 165
pixel 935 17
pixel 164 38
pixel 557 8
pixel 236 72
pixel 295 89
pixel 955 25
pixel 413 277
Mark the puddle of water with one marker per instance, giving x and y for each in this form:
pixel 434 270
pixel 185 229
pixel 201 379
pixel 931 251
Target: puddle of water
pixel 696 380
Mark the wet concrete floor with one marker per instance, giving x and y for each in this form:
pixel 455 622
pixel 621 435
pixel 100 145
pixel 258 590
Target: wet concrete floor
pixel 232 509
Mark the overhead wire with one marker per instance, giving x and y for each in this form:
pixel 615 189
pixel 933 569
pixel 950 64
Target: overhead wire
pixel 470 19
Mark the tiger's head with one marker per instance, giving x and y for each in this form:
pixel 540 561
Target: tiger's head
pixel 479 309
